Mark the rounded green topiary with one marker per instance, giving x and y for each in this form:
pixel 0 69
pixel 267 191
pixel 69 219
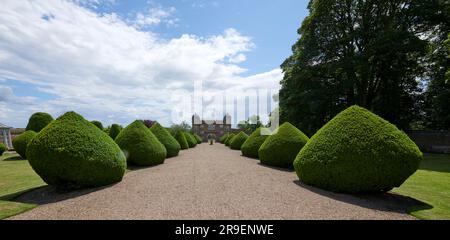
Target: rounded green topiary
pixel 223 138
pixel 358 151
pixel 38 121
pixel 140 145
pixel 114 130
pixel 251 146
pixel 281 148
pixel 2 148
pixel 71 152
pixel 97 124
pixel 169 142
pixel 238 140
pixel 228 140
pixel 181 139
pixel 198 138
pixel 20 142
pixel 190 140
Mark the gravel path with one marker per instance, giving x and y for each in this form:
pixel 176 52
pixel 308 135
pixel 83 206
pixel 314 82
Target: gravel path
pixel 211 182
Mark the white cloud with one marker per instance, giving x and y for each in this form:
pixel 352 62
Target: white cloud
pixel 106 68
pixel 155 16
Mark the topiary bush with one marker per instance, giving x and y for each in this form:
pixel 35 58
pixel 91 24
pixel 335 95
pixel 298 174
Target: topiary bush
pixel 223 138
pixel 357 151
pixel 140 145
pixel 192 142
pixel 114 130
pixel 198 138
pixel 227 141
pixel 38 121
pixel 71 152
pixel 2 148
pixel 169 142
pixel 20 142
pixel 97 124
pixel 238 140
pixel 281 148
pixel 251 146
pixel 181 139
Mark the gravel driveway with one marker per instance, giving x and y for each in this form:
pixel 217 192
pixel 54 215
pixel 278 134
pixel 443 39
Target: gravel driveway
pixel 211 182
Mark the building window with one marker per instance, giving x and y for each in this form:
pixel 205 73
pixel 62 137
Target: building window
pixel 211 127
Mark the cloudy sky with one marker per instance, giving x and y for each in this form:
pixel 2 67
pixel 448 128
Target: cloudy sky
pixel 118 60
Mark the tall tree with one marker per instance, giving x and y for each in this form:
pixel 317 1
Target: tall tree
pixel 363 52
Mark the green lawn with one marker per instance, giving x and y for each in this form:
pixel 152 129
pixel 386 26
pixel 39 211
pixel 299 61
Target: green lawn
pixel 16 176
pixel 431 185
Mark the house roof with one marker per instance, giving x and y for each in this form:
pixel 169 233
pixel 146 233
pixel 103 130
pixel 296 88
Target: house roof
pixel 3 126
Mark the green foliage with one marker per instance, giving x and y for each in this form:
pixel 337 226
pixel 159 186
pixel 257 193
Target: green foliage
pixel 181 139
pixel 38 121
pixel 114 130
pixel 357 151
pixel 20 142
pixel 238 140
pixel 97 124
pixel 175 128
pixel 223 138
pixel 198 138
pixel 251 146
pixel 229 138
pixel 192 142
pixel 71 152
pixel 2 148
pixel 169 142
pixel 251 124
pixel 281 148
pixel 140 145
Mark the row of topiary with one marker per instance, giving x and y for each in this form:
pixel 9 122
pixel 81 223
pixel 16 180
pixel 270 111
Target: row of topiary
pixel 357 151
pixel 71 152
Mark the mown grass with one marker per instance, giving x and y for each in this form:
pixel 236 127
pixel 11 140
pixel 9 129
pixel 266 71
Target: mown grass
pixel 431 185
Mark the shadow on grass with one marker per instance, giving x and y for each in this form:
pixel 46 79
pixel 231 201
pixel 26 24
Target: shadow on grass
pixel 277 168
pixel 390 202
pixel 14 158
pixel 50 194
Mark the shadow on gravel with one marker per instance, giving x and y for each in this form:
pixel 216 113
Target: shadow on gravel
pixel 383 201
pixel 50 194
pixel 277 168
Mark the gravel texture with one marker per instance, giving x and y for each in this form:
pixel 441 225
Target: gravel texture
pixel 211 182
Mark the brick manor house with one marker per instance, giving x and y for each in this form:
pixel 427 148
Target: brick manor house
pixel 216 127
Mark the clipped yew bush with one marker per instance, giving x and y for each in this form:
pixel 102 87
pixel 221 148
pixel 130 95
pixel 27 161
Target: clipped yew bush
pixel 198 138
pixel 114 130
pixel 140 146
pixel 20 142
pixel 181 139
pixel 169 142
pixel 97 124
pixel 251 146
pixel 281 148
pixel 238 140
pixel 357 151
pixel 71 152
pixel 192 142
pixel 228 140
pixel 2 148
pixel 38 121
pixel 223 138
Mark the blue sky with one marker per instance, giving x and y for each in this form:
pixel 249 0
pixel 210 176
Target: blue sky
pixel 116 60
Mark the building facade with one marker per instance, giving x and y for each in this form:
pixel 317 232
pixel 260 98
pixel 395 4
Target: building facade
pixel 215 127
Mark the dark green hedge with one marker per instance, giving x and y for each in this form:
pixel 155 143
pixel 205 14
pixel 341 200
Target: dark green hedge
pixel 181 139
pixel 20 142
pixel 358 151
pixel 281 148
pixel 251 146
pixel 140 145
pixel 38 121
pixel 223 138
pixel 198 138
pixel 190 140
pixel 169 142
pixel 97 124
pixel 228 140
pixel 71 152
pixel 114 130
pixel 238 140
pixel 2 148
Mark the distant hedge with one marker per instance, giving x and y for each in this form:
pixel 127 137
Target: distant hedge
pixel 223 138
pixel 140 145
pixel 198 138
pixel 358 151
pixel 251 146
pixel 20 142
pixel 228 140
pixel 114 130
pixel 2 148
pixel 281 148
pixel 38 121
pixel 181 139
pixel 190 139
pixel 238 140
pixel 169 142
pixel 71 152
pixel 97 124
